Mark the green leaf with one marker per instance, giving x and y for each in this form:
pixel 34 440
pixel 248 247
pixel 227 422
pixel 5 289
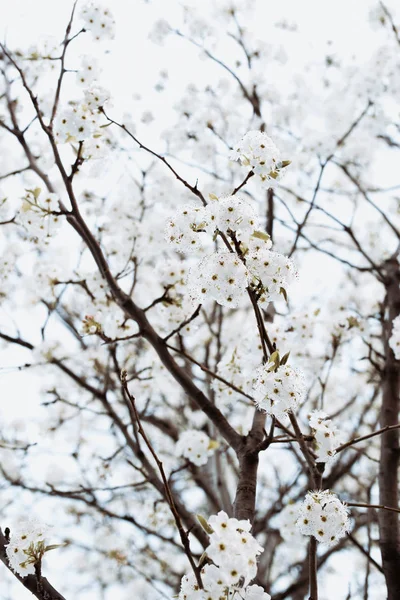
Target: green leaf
pixel 285 358
pixel 204 524
pixel 284 293
pixel 203 559
pixel 53 547
pixel 261 235
pixel 274 358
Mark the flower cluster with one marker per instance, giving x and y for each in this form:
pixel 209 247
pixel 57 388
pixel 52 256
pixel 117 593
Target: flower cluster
pixel 327 437
pixel 394 341
pixel 225 276
pixel 278 390
pixel 81 123
pixel 88 71
pixel 231 214
pixel 258 152
pixel 196 446
pixel 39 213
pixel 186 229
pixel 324 516
pixel 98 20
pixel 221 276
pixel 27 546
pixel 271 273
pixel 233 552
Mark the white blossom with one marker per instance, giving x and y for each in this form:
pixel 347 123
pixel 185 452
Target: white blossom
pixel 76 124
pixel 37 214
pixel 98 20
pixel 96 96
pixel 233 551
pixel 88 71
pixel 327 437
pixel 231 214
pixel 196 446
pixel 324 516
pixel 186 229
pixel 221 276
pixel 26 546
pixel 278 391
pixel 257 152
pixel 270 273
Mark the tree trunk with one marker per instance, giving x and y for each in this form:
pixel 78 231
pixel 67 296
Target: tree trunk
pixel 389 458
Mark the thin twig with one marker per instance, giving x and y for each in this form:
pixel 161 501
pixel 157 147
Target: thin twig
pixel 170 499
pixel 367 437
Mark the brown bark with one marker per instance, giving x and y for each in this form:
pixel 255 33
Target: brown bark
pixel 248 455
pixel 389 458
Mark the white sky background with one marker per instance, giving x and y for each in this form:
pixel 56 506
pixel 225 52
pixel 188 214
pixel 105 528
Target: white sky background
pixel 133 67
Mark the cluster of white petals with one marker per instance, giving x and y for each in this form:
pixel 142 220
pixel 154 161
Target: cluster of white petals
pixel 270 273
pixel 96 96
pixel 196 446
pixel 278 391
pixel 231 214
pixel 225 276
pixel 81 123
pixel 324 516
pixel 233 552
pixel 394 341
pixel 186 229
pixel 99 20
pixel 88 71
pixel 221 276
pixel 26 546
pixel 327 437
pixel 257 151
pixel 38 214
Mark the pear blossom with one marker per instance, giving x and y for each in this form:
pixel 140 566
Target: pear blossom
pixel 88 71
pixel 233 552
pixel 327 437
pixel 196 446
pixel 26 546
pixel 99 20
pixel 221 276
pixel 186 229
pixel 323 516
pixel 258 152
pixel 278 391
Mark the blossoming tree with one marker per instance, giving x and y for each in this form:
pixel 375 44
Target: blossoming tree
pixel 210 319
